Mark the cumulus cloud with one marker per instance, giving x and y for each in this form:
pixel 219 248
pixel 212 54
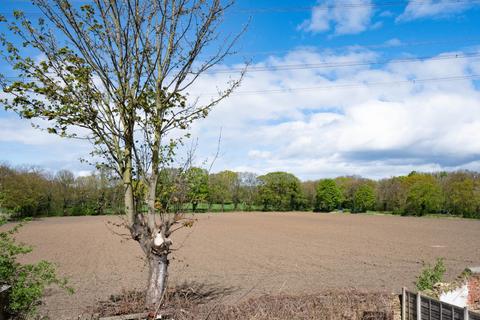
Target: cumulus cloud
pixel 384 124
pixel 433 8
pixel 343 18
pixel 348 116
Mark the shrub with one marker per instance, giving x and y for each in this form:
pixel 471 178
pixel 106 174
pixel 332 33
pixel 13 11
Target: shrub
pixel 430 276
pixel 27 281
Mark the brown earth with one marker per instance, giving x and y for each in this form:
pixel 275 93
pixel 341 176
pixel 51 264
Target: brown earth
pixel 246 254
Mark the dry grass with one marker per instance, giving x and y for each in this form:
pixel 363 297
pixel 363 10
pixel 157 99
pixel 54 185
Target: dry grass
pixel 333 305
pixel 125 303
pixel 204 302
pixel 181 297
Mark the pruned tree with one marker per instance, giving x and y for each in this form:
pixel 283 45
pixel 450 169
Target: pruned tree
pixel 118 73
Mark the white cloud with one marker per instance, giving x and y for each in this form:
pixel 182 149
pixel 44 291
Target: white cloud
pixel 15 130
pixel 333 128
pixel 343 18
pixel 433 8
pixel 22 144
pixel 394 42
pixel 386 14
pixel 377 131
pixel 258 154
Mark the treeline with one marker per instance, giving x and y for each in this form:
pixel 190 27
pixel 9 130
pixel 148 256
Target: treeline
pixel 450 193
pixel 32 192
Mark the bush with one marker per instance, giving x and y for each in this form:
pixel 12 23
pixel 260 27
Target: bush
pixel 430 276
pixel 27 281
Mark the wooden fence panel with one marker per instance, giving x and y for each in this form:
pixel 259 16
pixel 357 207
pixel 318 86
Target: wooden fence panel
pixel 411 301
pixel 432 309
pixel 473 316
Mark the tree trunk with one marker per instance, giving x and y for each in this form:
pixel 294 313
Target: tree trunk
pixel 157 278
pixel 128 196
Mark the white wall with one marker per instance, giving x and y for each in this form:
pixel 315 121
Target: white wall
pixel 458 297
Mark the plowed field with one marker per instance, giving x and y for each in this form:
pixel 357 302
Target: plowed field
pixel 254 253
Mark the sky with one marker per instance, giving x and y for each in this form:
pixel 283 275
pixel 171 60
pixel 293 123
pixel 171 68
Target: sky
pixel 334 87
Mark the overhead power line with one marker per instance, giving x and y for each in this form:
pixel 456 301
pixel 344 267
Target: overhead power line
pixel 351 85
pixel 357 84
pixel 385 44
pixel 308 66
pixel 288 67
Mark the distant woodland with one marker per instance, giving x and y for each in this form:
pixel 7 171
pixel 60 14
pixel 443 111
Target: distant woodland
pixel 30 191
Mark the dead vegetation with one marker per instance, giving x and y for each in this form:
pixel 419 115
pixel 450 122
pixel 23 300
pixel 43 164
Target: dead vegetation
pixel 178 298
pixel 125 303
pixel 196 301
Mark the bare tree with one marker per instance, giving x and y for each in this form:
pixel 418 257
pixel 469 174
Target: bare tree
pixel 117 72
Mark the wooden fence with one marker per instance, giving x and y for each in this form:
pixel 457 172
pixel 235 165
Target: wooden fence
pixel 418 307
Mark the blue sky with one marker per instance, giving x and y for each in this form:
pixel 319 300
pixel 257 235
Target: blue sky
pixel 362 112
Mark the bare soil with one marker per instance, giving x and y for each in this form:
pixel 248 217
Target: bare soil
pixel 243 255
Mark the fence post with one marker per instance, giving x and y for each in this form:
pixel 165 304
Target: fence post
pixel 404 300
pixel 465 313
pixel 419 306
